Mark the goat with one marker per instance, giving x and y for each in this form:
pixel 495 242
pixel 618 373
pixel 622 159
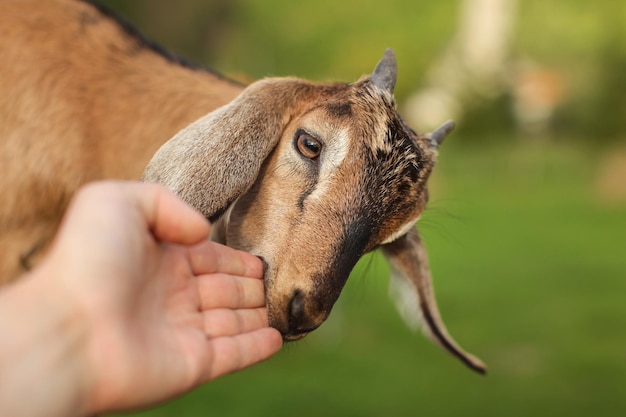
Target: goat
pixel 82 97
pixel 307 176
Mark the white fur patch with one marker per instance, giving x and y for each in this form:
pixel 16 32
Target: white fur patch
pixel 332 159
pixel 401 232
pixel 406 299
pixel 404 294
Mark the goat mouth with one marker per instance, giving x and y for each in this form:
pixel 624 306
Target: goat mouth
pixel 294 337
pixel 298 334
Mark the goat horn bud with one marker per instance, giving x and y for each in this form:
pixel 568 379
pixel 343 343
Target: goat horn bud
pixel 438 135
pixel 385 73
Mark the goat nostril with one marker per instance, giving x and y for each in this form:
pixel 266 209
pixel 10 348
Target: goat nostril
pixel 296 308
pixel 299 322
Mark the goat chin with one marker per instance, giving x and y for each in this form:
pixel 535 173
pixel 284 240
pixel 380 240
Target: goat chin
pixel 308 176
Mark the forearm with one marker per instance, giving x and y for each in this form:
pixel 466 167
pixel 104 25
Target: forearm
pixel 42 344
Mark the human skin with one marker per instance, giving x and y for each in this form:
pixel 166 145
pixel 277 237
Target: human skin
pixel 131 307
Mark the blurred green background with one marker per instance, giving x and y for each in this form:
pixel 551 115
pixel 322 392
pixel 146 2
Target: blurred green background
pixel 526 228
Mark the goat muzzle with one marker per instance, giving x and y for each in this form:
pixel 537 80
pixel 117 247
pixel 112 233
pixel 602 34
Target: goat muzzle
pixel 295 316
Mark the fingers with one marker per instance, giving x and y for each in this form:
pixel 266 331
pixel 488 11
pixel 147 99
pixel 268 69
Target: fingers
pixel 210 257
pixel 232 354
pixel 226 291
pixel 227 322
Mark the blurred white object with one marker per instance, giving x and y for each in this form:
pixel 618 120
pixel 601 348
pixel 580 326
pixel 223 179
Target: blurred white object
pixel 474 67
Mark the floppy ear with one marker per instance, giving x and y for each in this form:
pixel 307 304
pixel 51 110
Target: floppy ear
pixel 413 291
pixel 211 162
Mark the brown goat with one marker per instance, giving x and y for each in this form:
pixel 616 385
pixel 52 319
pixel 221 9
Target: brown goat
pixel 81 98
pixel 307 176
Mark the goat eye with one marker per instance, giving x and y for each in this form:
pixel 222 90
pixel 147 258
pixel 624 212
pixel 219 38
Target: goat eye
pixel 308 146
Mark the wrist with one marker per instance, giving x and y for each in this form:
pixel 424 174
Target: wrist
pixel 42 354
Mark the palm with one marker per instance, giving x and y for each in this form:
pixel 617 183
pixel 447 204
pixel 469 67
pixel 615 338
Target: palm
pixel 177 325
pixel 171 309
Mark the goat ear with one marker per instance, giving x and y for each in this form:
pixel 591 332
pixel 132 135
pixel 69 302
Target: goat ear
pixel 211 162
pixel 412 288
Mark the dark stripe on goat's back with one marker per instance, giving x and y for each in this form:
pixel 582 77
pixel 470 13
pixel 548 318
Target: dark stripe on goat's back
pixel 142 41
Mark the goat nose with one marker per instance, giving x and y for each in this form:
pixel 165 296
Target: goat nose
pixel 299 322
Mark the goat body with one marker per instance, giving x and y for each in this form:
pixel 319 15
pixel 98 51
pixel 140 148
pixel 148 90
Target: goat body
pixel 81 98
pixel 308 176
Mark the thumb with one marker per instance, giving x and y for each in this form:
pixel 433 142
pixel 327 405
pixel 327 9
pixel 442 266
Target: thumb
pixel 168 217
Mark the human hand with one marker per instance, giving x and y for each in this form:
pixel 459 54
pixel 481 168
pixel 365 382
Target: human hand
pixel 163 309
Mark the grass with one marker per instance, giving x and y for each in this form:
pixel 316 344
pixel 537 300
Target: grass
pixel 529 269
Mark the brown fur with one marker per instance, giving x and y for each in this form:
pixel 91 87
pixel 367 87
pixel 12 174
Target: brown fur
pixel 82 98
pixel 310 220
pixel 364 198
